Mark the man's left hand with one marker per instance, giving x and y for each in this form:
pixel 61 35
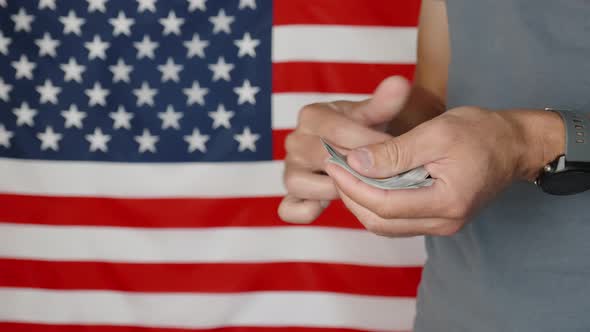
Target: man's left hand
pixel 472 154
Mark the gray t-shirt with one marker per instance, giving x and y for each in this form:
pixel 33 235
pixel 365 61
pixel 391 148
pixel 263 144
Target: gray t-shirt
pixel 523 263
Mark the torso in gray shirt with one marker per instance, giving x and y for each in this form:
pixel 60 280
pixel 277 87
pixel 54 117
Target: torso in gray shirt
pixel 523 263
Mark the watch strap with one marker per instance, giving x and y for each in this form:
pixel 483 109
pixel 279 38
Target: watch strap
pixel 577 135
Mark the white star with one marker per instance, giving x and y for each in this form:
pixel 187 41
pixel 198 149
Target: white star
pixel 72 71
pixel 47 45
pixel 5 42
pixel 171 24
pixel 5 136
pixel 196 46
pixel 99 5
pixel 247 140
pixel 147 141
pixel 248 4
pixel 195 94
pixel 121 24
pixel 247 45
pixel 72 23
pixel 73 117
pixel 197 4
pixel 170 71
pixel 196 141
pixel 47 4
pixel 5 89
pixel 97 48
pixel 221 22
pixel 121 71
pixel 121 118
pixel 24 68
pixel 22 21
pixel 221 70
pixel 170 118
pixel 221 117
pixel 145 95
pixel 98 141
pixel 49 139
pixel 97 95
pixel 48 92
pixel 143 5
pixel 247 93
pixel 24 115
pixel 146 47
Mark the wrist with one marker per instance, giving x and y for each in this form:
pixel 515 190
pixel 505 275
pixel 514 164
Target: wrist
pixel 541 139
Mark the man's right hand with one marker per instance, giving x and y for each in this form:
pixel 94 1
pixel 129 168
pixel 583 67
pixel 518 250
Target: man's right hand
pixel 346 124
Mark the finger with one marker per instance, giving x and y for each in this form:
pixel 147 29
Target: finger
pixel 305 151
pixel 415 148
pixel 298 211
pixel 395 227
pixel 319 120
pixel 427 202
pixel 304 184
pixel 386 102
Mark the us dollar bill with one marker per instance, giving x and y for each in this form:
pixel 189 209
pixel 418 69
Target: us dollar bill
pixel 415 178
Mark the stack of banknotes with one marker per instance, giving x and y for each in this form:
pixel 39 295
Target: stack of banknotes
pixel 416 178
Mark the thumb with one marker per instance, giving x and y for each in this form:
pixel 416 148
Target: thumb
pixel 397 155
pixel 386 102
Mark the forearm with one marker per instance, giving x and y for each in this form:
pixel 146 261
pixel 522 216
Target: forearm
pixel 427 99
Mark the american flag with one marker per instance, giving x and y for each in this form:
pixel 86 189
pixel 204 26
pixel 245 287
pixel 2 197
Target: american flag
pixel 141 147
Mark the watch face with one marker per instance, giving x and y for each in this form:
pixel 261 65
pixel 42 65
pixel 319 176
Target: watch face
pixel 565 183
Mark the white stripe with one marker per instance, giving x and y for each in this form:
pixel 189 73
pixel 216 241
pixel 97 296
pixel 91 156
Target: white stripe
pixel 307 309
pixel 225 244
pixel 60 178
pixel 286 106
pixel 344 44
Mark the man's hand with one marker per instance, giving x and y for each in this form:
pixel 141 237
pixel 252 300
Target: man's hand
pixel 348 125
pixel 471 153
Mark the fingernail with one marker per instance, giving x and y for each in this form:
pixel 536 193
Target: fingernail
pixel 364 158
pixel 324 204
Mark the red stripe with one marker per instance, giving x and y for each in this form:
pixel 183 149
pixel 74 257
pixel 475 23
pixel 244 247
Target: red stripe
pixel 347 12
pixel 157 213
pixel 334 77
pixel 24 327
pixel 211 278
pixel 278 143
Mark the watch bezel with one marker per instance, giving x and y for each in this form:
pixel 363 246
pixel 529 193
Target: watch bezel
pixel 561 177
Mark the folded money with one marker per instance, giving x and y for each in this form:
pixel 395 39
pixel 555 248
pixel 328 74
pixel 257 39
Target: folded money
pixel 415 178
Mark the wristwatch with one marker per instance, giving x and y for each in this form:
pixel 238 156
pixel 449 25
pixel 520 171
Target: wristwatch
pixel 570 173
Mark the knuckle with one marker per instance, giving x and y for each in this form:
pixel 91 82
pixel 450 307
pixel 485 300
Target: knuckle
pixel 293 148
pixel 308 113
pixel 374 226
pixel 443 131
pixel 291 181
pixel 291 142
pixel 294 159
pixel 383 212
pixel 395 154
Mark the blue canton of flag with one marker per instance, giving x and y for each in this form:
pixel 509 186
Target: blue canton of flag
pixel 140 80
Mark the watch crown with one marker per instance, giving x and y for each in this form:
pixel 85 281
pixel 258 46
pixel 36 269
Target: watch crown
pixel 548 168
